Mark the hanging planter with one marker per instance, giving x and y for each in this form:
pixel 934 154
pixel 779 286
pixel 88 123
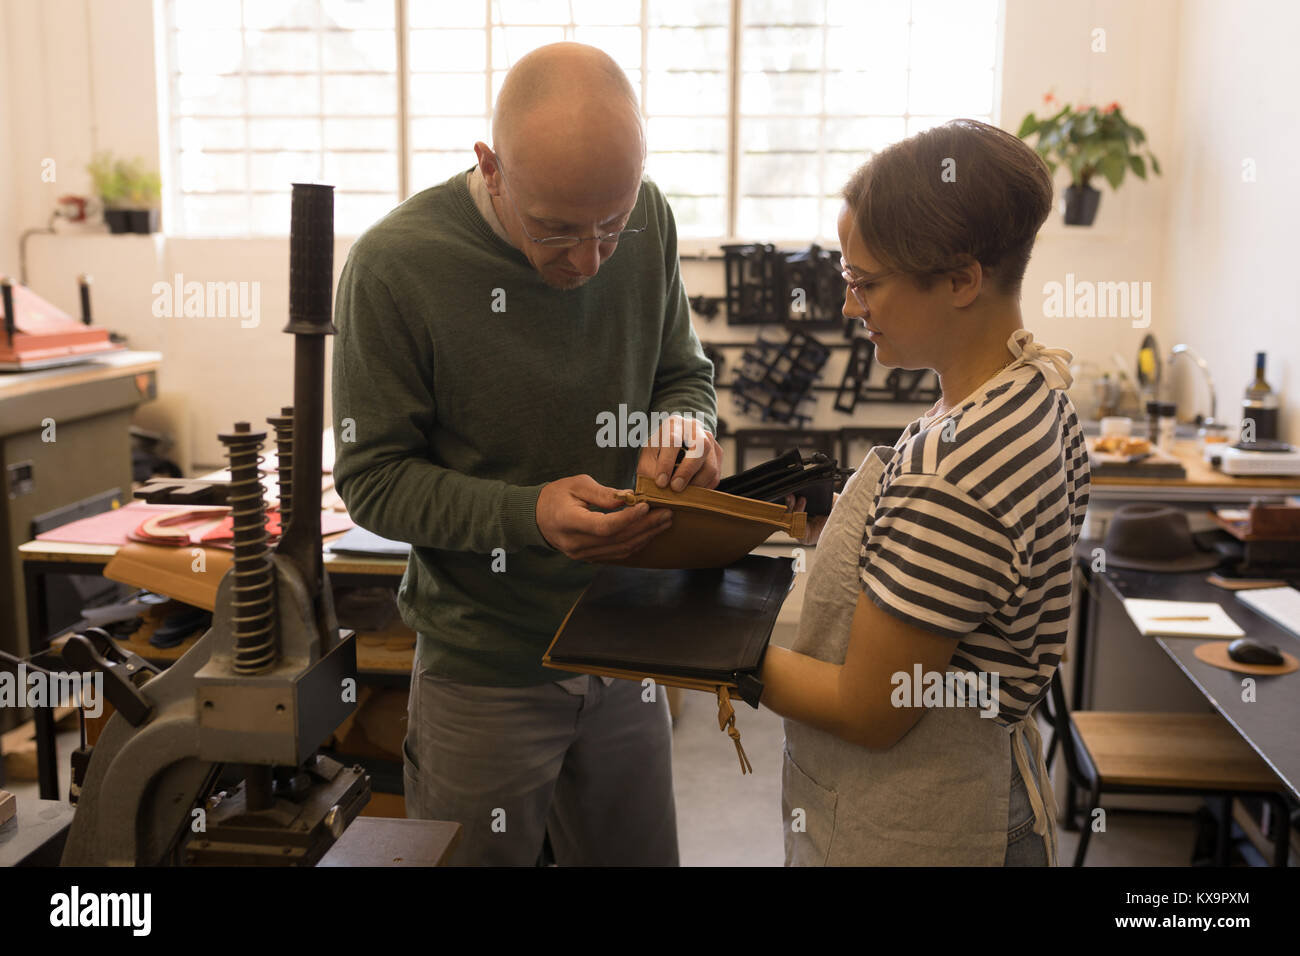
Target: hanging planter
pixel 1088 141
pixel 1080 205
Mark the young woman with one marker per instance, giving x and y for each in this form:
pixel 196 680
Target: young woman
pixel 946 561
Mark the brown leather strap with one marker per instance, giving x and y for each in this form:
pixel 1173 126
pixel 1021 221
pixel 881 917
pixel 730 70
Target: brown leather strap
pixel 727 722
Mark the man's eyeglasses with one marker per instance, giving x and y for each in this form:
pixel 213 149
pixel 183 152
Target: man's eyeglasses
pixel 563 242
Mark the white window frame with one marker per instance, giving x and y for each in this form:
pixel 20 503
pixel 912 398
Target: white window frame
pixel 687 246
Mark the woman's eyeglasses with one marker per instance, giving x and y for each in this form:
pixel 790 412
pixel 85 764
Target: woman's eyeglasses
pixel 857 285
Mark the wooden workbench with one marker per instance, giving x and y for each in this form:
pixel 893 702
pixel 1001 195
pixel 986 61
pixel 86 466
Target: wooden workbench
pixel 1203 483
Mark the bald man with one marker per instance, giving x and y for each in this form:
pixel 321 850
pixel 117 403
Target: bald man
pixel 485 326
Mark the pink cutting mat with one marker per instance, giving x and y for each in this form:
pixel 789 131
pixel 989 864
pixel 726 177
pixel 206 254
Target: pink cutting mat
pixel 112 527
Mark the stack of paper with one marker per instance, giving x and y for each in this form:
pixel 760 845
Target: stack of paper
pixel 1181 618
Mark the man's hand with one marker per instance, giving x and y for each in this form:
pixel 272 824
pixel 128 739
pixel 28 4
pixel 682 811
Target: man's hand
pixel 701 465
pixel 568 525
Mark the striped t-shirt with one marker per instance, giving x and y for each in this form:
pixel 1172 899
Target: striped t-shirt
pixel 974 529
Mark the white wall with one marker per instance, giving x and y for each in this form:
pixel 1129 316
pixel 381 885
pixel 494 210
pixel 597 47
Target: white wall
pixel 82 80
pixel 1231 251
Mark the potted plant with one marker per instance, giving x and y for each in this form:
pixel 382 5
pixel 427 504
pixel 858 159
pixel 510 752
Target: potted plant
pixel 1089 140
pixel 129 192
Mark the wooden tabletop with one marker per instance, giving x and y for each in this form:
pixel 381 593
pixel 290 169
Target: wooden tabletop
pixel 109 365
pixel 1201 474
pixel 70 552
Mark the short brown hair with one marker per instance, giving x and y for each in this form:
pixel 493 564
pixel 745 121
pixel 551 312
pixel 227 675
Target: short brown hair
pixel 964 190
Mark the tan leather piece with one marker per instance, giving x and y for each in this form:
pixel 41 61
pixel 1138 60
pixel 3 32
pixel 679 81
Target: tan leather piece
pixel 710 529
pixel 170 571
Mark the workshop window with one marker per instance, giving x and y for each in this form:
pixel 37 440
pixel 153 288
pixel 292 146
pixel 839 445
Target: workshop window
pixel 757 110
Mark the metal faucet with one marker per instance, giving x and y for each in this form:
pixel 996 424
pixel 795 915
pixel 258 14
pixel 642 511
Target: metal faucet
pixel 1205 371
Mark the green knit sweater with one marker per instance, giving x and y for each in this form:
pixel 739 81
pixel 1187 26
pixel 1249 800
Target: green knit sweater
pixel 462 384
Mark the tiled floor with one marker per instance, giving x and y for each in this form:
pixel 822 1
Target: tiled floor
pixel 726 819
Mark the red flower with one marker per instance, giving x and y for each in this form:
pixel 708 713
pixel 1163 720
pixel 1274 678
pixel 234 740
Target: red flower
pixel 1114 105
pixel 1048 98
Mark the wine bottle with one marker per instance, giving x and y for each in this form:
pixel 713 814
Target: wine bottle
pixel 1259 406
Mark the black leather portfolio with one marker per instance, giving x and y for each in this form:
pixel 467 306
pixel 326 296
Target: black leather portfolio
pixel 699 629
pixel 816 479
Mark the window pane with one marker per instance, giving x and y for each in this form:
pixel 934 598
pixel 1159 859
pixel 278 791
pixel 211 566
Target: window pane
pixel 784 11
pixel 449 50
pixel 781 93
pixel 530 11
pixel 688 49
pixel 292 51
pixel 279 171
pixel 284 133
pixel 774 48
pixel 690 12
pixel 622 43
pixel 209 95
pixel 283 95
pixel 447 93
pixel 212 172
pixel 361 94
pixel 360 132
pixel 195 134
pixel 448 132
pixel 361 170
pixel 867 12
pixel 606 11
pixel 267 14
pixel 204 15
pixel 958 92
pixel 874 93
pixel 358 14
pixel 779 174
pixel 689 173
pixel 861 133
pixel 210 51
pixel 509 44
pixel 360 50
pixel 271 215
pixel 430 169
pixel 779 218
pixel 688 94
pixel 679 132
pixel 765 135
pixel 698 216
pixel 441 13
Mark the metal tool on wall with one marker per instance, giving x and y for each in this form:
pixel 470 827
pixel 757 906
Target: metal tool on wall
pixel 228 734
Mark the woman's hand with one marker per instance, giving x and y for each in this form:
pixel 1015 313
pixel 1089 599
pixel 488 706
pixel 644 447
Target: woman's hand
pixel 815 522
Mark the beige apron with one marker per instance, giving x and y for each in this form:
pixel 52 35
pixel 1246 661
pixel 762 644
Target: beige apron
pixel 940 796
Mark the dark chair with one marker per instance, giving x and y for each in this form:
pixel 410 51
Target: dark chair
pixel 1160 754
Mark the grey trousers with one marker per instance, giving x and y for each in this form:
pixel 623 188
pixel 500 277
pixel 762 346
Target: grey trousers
pixel 512 763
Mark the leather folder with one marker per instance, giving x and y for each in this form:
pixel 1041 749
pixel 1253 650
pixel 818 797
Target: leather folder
pixel 702 630
pixel 711 529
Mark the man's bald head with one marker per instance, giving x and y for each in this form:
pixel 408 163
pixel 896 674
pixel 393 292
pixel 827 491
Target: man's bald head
pixel 567 118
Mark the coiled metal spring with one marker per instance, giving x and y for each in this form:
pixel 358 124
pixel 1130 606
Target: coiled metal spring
pixel 283 425
pixel 254 598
